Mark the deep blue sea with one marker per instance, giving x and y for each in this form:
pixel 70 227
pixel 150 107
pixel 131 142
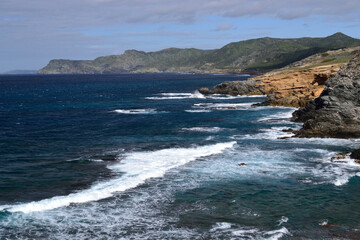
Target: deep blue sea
pixel 145 156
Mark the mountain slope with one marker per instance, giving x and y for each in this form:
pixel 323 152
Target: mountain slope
pixel 252 56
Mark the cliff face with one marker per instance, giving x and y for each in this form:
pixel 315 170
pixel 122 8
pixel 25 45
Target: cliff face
pixel 297 88
pixel 251 56
pixel 294 85
pixel 336 112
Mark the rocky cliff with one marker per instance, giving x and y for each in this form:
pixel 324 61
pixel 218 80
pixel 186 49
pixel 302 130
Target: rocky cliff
pixel 294 85
pixel 336 112
pixel 251 56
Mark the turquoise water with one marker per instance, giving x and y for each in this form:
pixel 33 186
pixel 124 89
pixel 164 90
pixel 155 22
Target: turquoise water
pixel 144 156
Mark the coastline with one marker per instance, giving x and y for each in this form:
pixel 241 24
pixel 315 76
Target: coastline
pixel 326 95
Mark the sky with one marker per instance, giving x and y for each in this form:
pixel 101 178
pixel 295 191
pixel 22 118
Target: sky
pixel 35 31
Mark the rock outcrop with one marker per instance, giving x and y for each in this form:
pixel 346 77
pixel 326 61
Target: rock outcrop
pixel 295 88
pixel 250 87
pixel 294 85
pixel 355 154
pixel 336 112
pixel 292 89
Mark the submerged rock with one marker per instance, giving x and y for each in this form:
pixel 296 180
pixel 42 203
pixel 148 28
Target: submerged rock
pixel 336 112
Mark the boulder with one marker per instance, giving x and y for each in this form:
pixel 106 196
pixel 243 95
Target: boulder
pixel 355 154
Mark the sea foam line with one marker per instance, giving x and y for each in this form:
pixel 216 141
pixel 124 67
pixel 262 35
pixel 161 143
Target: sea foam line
pixel 224 106
pixel 137 168
pixel 197 94
pixel 174 96
pixel 136 111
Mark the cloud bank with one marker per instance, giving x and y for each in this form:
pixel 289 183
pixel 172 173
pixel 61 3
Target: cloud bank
pixel 38 30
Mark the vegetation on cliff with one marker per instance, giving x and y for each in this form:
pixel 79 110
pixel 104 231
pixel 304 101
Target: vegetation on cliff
pixel 250 56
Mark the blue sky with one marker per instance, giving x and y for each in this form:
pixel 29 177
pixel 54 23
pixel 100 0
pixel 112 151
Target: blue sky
pixel 34 32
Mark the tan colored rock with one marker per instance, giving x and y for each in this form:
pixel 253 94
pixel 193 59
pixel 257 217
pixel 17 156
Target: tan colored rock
pixel 296 88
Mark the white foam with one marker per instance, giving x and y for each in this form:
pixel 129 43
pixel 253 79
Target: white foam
pixel 197 94
pixel 354 143
pixel 203 129
pixel 221 226
pixel 198 111
pixel 272 133
pixel 174 96
pixel 279 117
pixel 136 111
pixel 136 167
pixel 283 220
pixel 223 229
pixel 224 106
pixel 324 222
pixel 338 171
pixel 277 234
pixel 244 232
pixel 95 160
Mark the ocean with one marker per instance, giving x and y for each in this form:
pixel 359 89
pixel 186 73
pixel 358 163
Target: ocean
pixel 146 156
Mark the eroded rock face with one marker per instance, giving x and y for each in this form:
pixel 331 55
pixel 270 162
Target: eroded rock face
pixel 295 88
pixel 291 89
pixel 336 112
pixel 294 85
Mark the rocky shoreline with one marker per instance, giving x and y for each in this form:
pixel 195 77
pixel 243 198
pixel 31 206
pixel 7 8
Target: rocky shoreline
pixel 336 112
pixel 328 98
pixel 294 85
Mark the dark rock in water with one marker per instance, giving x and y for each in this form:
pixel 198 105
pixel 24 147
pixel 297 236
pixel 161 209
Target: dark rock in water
pixel 355 154
pixel 242 164
pixel 336 113
pixel 290 130
pixel 109 158
pixel 282 138
pixel 339 157
pixel 235 88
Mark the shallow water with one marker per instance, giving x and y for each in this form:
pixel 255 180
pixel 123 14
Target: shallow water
pixel 145 156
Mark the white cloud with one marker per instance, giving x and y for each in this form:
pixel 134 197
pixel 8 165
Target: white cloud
pixel 104 12
pixel 38 30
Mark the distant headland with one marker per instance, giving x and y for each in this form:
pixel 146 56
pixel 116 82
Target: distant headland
pixel 255 56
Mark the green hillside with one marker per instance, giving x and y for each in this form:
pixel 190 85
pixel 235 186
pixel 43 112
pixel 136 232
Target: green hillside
pixel 256 55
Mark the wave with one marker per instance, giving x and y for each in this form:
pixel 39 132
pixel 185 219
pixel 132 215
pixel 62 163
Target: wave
pixel 269 134
pixel 338 171
pixel 136 168
pixel 197 111
pixel 203 129
pixel 224 106
pixel 174 96
pixel 279 117
pixel 197 94
pixel 228 229
pixel 136 111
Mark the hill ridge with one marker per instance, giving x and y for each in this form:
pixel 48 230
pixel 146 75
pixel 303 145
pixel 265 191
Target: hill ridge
pixel 249 56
